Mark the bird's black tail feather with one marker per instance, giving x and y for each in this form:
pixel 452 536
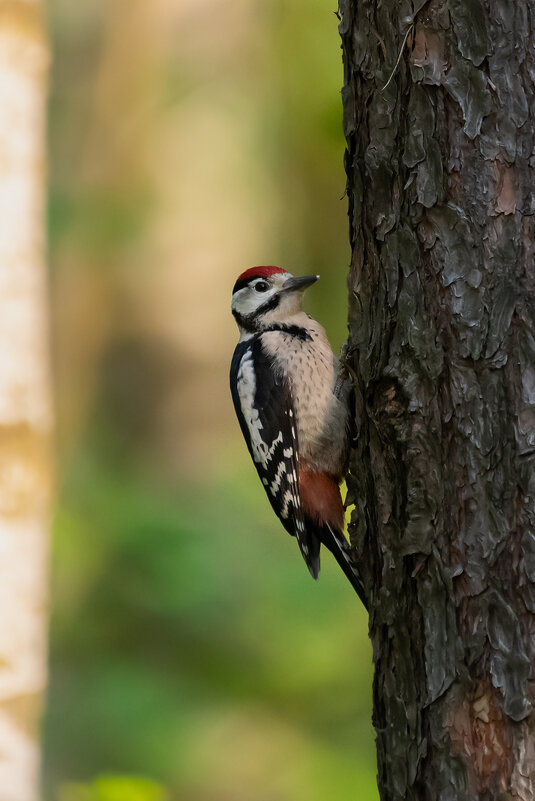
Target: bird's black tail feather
pixel 339 547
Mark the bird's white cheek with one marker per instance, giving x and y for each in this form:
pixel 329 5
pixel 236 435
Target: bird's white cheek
pixel 249 303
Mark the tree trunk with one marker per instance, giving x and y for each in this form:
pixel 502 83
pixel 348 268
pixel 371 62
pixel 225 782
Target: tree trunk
pixel 25 409
pixel 440 165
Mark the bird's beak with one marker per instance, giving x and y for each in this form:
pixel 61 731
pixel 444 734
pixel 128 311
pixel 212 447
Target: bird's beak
pixel 299 284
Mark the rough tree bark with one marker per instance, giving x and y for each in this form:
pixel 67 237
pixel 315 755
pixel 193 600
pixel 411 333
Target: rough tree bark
pixel 25 409
pixel 440 164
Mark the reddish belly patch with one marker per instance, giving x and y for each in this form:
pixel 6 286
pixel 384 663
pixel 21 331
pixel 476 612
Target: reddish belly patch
pixel 321 499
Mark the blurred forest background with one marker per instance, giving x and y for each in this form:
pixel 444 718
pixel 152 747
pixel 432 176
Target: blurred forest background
pixel 191 656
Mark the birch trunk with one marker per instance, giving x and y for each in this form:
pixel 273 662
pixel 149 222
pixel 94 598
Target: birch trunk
pixel 25 407
pixel 440 165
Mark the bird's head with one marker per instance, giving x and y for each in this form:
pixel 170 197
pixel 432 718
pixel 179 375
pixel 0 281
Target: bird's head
pixel 266 295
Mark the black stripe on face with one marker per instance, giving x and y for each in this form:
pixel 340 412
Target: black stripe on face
pixel 245 321
pixel 269 305
pixel 249 322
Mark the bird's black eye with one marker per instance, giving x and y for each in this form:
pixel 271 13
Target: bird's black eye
pixel 261 286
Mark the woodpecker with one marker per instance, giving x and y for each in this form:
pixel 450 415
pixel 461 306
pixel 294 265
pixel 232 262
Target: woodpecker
pixel 291 400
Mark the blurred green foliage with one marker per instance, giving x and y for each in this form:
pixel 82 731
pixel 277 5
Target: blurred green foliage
pixel 114 788
pixel 189 645
pixel 190 648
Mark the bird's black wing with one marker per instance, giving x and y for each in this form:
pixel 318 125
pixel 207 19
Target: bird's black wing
pixel 263 404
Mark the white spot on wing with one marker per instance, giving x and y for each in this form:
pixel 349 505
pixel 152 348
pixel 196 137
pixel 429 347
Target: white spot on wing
pixel 282 484
pixel 263 454
pixel 246 385
pixel 286 498
pixel 275 484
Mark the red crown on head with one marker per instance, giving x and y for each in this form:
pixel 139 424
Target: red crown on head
pixel 259 272
pixel 255 272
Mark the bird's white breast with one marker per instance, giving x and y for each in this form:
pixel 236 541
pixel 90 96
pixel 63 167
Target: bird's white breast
pixel 312 370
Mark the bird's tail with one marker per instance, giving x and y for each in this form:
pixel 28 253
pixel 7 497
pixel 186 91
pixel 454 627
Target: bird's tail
pixel 339 547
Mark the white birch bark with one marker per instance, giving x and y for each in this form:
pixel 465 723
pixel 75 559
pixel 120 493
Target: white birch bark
pixel 25 406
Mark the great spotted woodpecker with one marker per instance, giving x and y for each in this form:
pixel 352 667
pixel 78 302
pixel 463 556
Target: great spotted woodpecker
pixel 291 402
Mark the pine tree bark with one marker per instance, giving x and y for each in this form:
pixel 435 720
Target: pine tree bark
pixel 25 409
pixel 440 165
